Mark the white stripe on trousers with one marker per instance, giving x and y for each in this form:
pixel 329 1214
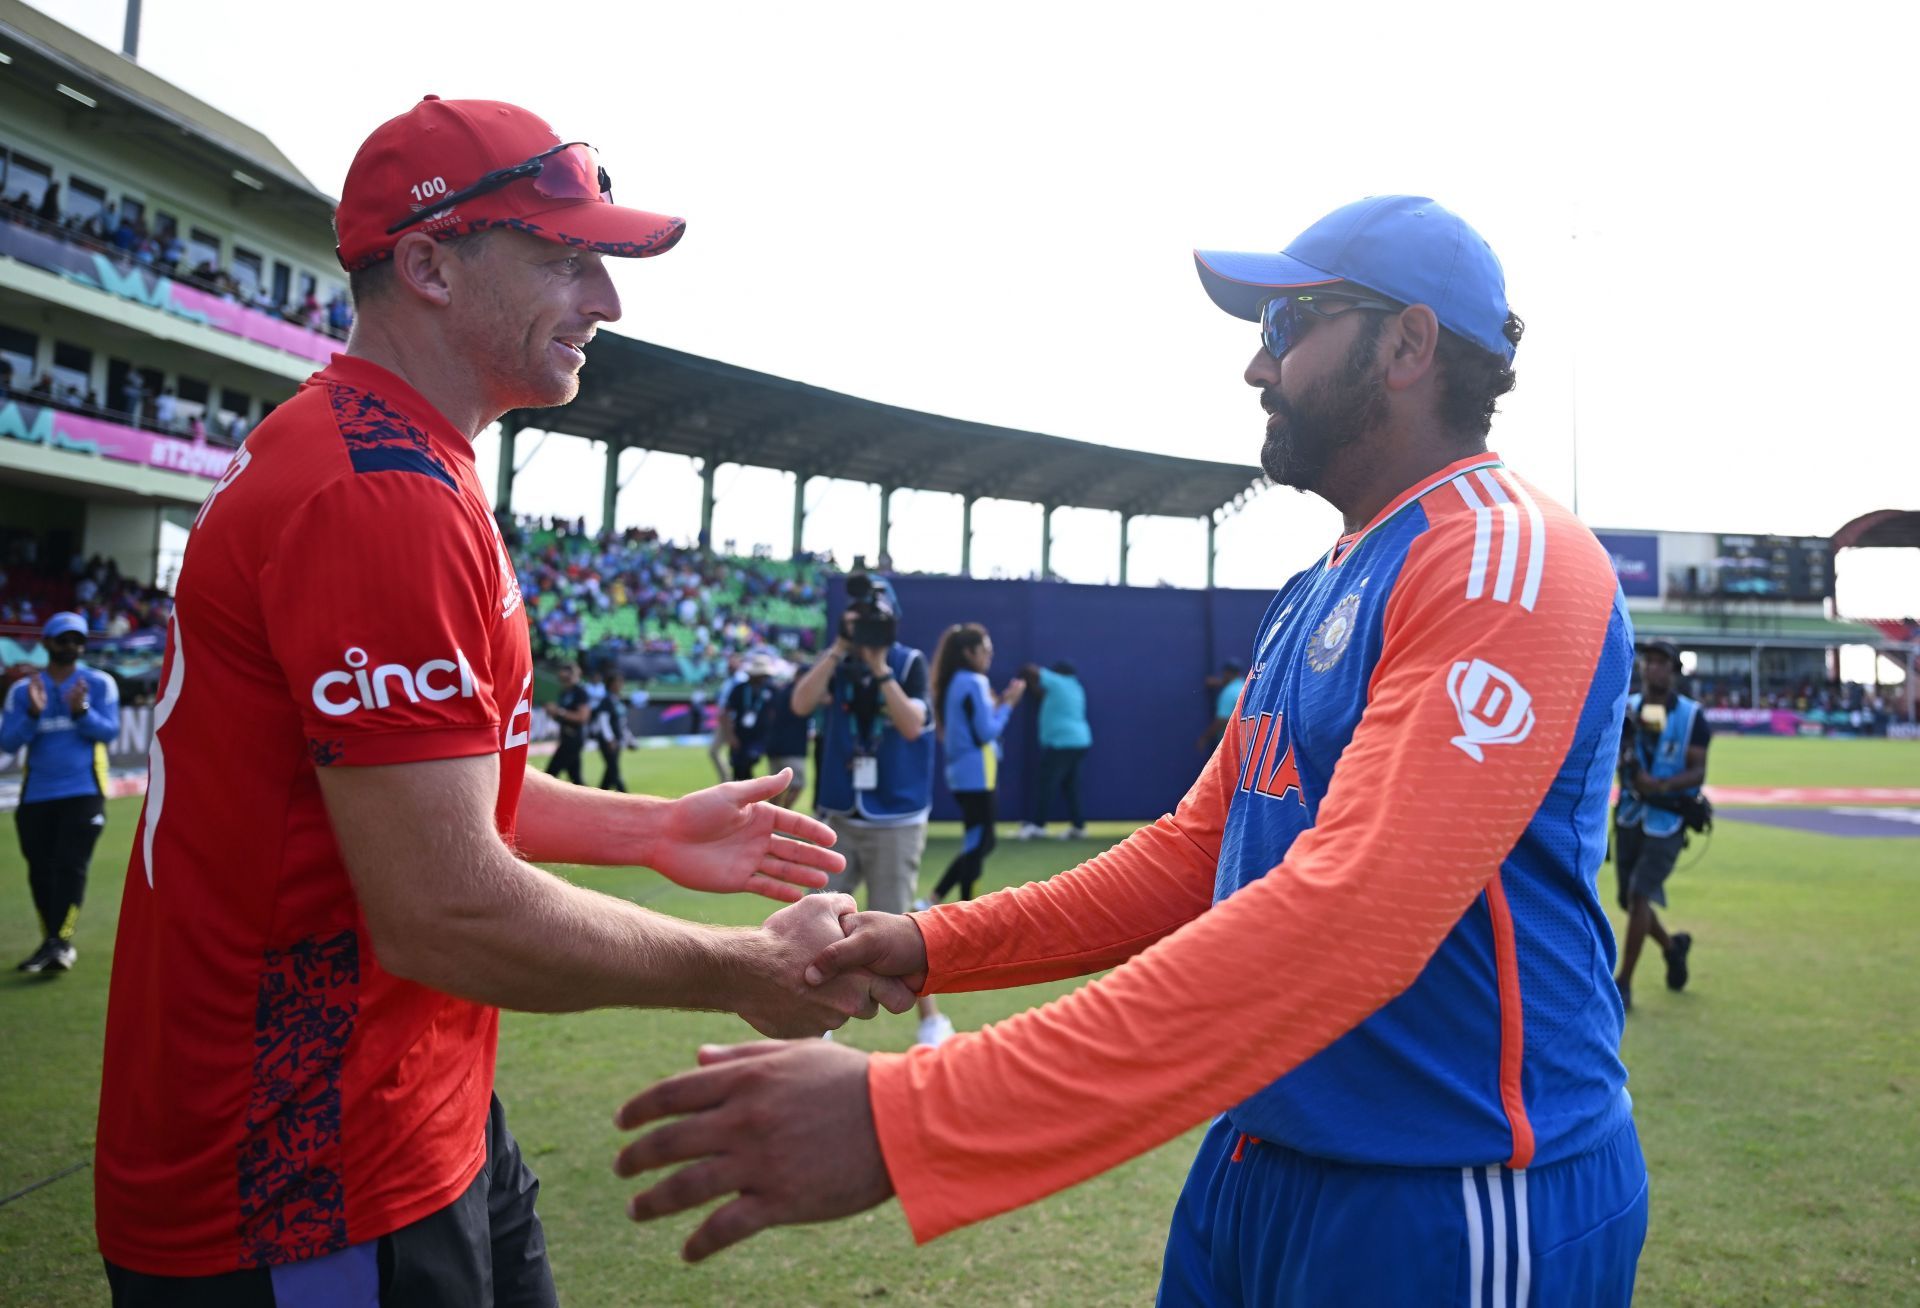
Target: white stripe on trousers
pixel 1495 1295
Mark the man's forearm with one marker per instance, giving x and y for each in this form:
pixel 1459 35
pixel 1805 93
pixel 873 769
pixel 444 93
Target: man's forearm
pixel 562 823
pixel 812 687
pixel 535 943
pixel 905 712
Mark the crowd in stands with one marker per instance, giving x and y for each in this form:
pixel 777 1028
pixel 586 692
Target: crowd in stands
pixel 664 613
pixel 128 237
pixel 1838 704
pixel 135 404
pixel 33 590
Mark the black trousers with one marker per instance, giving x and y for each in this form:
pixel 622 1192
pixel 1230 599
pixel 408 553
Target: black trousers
pixel 1059 770
pixel 743 763
pixel 57 836
pixel 611 778
pixel 566 762
pixel 976 810
pixel 486 1249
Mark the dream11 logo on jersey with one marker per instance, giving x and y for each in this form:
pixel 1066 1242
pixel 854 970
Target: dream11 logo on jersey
pixel 1493 708
pixel 435 680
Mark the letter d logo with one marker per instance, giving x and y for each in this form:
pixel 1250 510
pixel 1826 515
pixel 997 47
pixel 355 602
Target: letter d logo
pixel 1493 708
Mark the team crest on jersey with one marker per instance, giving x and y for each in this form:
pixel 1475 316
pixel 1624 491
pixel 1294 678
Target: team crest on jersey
pixel 1331 637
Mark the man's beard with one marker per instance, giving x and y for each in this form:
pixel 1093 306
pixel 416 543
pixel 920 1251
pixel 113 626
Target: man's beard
pixel 1334 413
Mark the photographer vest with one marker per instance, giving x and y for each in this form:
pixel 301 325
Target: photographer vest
pixel 905 767
pixel 1664 757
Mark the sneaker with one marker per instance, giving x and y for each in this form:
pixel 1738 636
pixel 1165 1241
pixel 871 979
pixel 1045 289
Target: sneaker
pixel 49 957
pixel 922 904
pixel 1075 833
pixel 1676 956
pixel 935 1030
pixel 1029 831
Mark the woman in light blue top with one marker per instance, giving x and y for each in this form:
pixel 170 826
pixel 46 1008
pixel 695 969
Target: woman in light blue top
pixel 969 718
pixel 1065 738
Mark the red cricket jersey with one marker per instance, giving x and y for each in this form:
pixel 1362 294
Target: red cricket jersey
pixel 269 1092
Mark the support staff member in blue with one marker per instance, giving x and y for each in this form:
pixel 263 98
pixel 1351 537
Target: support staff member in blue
pixel 969 721
pixel 65 717
pixel 875 787
pixel 1663 761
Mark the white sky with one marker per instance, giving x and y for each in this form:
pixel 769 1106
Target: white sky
pixel 987 211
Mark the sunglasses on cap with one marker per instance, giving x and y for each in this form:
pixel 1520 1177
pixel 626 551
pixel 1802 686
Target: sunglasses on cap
pixel 1285 318
pixel 67 638
pixel 566 172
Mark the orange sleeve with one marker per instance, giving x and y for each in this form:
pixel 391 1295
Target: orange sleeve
pixel 1424 804
pixel 1099 914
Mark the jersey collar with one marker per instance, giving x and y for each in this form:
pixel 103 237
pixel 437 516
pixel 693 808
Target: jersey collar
pixel 365 375
pixel 1346 545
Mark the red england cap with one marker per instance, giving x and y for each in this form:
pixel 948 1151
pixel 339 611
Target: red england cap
pixel 448 167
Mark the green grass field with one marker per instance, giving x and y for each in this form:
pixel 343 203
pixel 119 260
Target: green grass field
pixel 1778 1098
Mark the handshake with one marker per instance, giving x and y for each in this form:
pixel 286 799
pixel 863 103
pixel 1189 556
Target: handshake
pixel 816 963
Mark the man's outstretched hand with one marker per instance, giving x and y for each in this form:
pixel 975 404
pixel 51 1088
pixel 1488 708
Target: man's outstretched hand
pixel 785 1129
pixel 730 838
pixel 882 944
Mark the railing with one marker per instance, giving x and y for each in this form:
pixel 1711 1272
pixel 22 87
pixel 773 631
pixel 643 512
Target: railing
pixel 107 268
pixel 21 419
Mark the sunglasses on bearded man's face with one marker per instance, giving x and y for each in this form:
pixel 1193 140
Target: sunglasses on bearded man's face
pixel 1285 318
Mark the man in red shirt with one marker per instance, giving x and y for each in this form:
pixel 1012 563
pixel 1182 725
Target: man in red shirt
pixel 327 901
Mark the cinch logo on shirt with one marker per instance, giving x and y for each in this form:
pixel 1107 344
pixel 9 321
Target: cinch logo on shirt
pixel 435 679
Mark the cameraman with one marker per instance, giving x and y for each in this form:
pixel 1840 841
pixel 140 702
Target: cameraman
pixel 1663 761
pixel 875 784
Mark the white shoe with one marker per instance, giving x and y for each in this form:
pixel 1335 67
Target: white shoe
pixel 922 905
pixel 1075 833
pixel 65 958
pixel 826 1035
pixel 935 1030
pixel 1028 831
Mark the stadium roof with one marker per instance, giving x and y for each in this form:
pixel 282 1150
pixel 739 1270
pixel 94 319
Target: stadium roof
pixel 40 45
pixel 1749 629
pixel 646 396
pixel 1895 528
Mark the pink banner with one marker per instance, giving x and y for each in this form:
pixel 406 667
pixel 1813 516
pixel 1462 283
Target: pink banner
pixel 252 325
pixel 60 430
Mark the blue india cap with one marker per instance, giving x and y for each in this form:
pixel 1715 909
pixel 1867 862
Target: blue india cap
pixel 62 623
pixel 1403 247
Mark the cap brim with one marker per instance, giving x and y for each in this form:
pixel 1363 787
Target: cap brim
pixel 1241 283
pixel 608 228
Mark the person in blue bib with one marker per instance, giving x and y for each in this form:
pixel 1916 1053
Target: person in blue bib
pixel 1663 761
pixel 875 783
pixel 65 717
pixel 969 718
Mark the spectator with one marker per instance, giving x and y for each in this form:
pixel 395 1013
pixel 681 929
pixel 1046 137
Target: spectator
pixel 65 718
pixel 874 785
pixel 1065 737
pixel 969 717
pixel 1226 697
pixel 571 710
pixel 745 717
pixel 165 407
pixel 133 393
pixel 608 729
pixel 50 205
pixel 788 736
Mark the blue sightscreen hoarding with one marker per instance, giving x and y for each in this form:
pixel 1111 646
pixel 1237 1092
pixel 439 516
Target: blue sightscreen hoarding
pixel 1143 654
pixel 1636 561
